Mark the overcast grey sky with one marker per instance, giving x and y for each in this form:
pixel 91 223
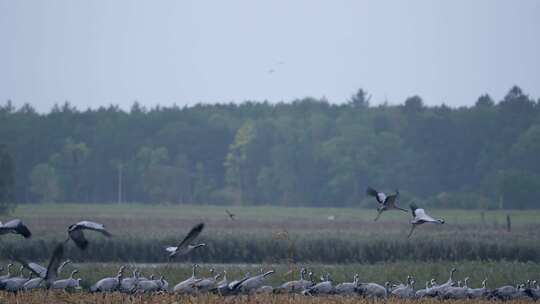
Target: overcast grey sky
pixel 163 52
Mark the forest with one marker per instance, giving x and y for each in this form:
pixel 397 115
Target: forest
pixel 307 152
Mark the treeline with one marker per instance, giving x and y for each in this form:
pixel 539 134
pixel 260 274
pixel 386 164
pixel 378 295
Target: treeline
pixel 306 152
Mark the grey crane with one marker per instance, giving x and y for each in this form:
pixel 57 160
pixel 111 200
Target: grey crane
pixel 15 284
pixel 162 284
pixel 109 284
pixel 348 288
pixel 75 232
pixel 8 274
pixel 477 293
pixel 146 286
pixel 206 284
pixel 68 284
pixel 456 293
pixel 385 202
pixel 533 292
pixel 34 283
pixel 225 288
pixel 506 292
pixel 265 289
pixel 407 291
pixel 224 280
pixel 421 217
pixel 49 274
pixel 374 290
pixel 401 285
pixel 252 284
pixel 185 246
pixel 187 286
pixel 15 226
pixel 420 293
pixel 436 290
pixel 38 282
pixel 296 286
pixel 128 284
pixel 322 288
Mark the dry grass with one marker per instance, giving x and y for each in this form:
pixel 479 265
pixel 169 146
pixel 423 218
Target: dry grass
pixel 41 297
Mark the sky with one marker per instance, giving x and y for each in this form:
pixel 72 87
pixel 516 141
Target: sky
pixel 98 52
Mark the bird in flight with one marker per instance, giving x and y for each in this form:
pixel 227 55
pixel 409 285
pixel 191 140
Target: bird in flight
pixel 420 217
pixel 15 226
pixel 231 215
pixel 385 202
pixel 75 232
pixel 185 246
pixel 50 273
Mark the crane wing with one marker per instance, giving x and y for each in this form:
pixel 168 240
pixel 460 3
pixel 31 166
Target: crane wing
pixel 391 200
pixel 378 195
pixel 78 238
pixel 193 233
pixel 37 269
pixel 89 225
pixel 171 249
pixel 17 226
pixel 54 264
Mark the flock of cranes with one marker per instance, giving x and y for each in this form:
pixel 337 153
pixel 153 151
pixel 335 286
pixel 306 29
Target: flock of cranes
pixel 218 283
pixel 48 277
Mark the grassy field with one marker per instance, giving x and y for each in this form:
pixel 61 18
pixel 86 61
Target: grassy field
pixel 144 221
pixel 519 217
pixel 351 242
pixel 257 235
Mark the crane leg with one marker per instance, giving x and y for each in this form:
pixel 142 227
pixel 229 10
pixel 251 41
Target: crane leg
pixel 378 215
pixel 411 232
pixel 402 209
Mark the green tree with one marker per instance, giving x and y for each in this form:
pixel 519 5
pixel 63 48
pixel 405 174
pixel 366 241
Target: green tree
pixel 525 153
pixel 519 190
pixel 69 165
pixel 239 172
pixel 7 182
pixel 45 183
pixel 360 99
pixel 484 101
pixel 413 105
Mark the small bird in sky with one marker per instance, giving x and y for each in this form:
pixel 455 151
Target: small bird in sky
pixel 231 215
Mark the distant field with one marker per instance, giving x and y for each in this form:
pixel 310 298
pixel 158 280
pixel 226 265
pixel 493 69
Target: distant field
pixel 257 236
pixel 452 216
pixel 125 219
